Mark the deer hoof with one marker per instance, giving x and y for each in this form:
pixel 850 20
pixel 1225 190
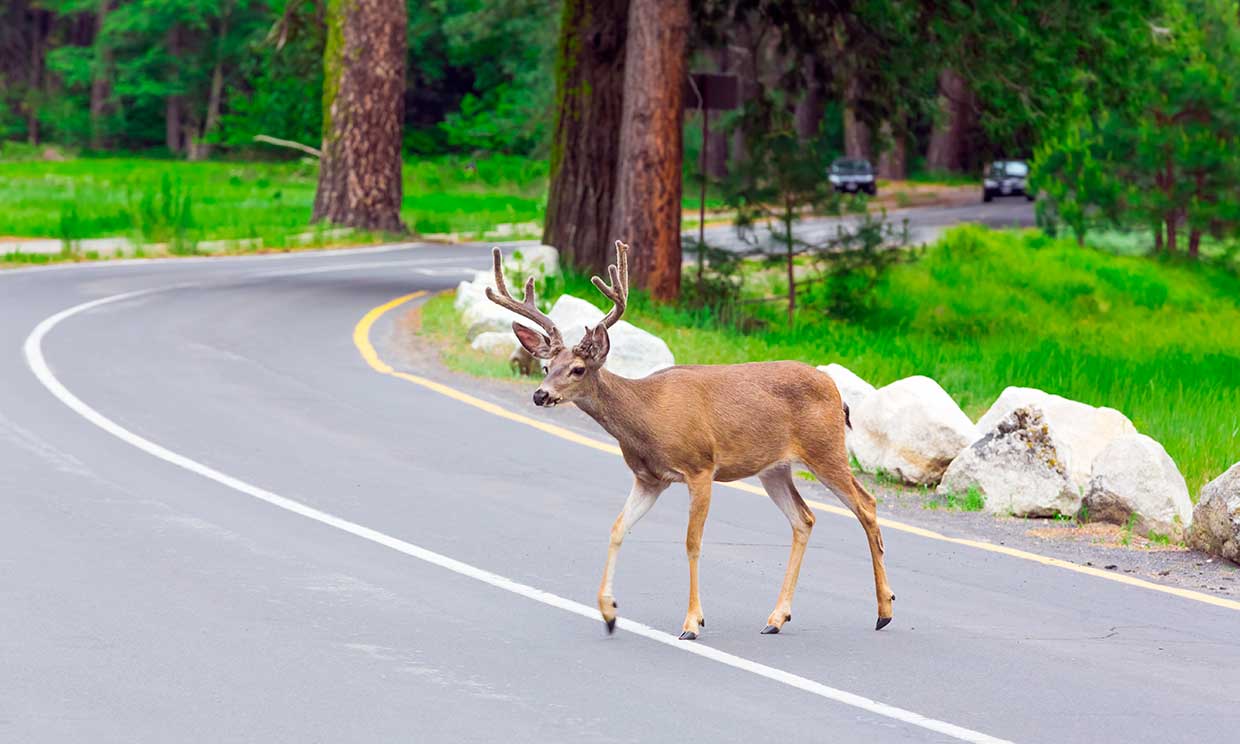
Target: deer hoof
pixel 882 623
pixel 770 630
pixel 688 635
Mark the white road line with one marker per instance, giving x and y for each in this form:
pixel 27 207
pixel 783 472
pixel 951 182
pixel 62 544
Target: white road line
pixel 33 349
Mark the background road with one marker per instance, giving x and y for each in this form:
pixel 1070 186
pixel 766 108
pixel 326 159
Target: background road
pixel 142 602
pixel 925 224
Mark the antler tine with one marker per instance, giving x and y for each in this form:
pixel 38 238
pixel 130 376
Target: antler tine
pixel 527 307
pixel 618 290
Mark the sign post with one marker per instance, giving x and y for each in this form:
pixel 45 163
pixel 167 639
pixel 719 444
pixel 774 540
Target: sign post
pixel 711 92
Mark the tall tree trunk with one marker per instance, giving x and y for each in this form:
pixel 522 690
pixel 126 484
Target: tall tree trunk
pixel 647 211
pixel 200 147
pixel 585 148
pixel 717 139
pixel 101 79
pixel 892 162
pixel 1170 216
pixel 948 150
pixel 174 104
pixel 809 109
pixel 856 133
pixel 39 20
pixel 363 89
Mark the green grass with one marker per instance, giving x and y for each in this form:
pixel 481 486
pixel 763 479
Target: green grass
pixel 152 200
pixel 969 501
pixel 982 310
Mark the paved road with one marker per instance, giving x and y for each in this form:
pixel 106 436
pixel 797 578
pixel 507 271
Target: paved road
pixel 230 527
pixel 925 224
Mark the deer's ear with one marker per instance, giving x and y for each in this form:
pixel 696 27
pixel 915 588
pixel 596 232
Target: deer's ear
pixel 600 343
pixel 538 345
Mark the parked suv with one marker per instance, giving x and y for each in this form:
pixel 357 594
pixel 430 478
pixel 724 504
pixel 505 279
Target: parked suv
pixel 1006 178
pixel 853 175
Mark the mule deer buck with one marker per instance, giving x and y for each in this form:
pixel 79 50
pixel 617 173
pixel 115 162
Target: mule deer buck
pixel 700 424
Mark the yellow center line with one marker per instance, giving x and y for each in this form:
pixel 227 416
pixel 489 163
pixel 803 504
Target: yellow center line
pixel 361 339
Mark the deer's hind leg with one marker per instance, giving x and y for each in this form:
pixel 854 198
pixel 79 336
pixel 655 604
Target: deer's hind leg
pixel 832 470
pixel 778 483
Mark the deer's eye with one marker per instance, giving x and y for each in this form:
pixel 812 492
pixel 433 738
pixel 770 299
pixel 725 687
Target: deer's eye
pixel 577 371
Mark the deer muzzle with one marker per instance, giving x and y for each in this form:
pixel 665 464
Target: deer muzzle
pixel 543 398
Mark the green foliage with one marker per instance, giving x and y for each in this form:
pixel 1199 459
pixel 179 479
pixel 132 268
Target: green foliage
pixel 1166 157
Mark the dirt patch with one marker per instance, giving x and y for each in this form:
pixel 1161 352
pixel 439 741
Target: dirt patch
pixel 1099 533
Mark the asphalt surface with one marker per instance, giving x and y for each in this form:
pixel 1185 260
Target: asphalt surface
pixel 925 224
pixel 143 601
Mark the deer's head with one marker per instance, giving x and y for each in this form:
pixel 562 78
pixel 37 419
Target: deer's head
pixel 570 372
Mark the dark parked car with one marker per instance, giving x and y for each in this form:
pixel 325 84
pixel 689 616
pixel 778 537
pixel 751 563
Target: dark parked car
pixel 852 175
pixel 1006 178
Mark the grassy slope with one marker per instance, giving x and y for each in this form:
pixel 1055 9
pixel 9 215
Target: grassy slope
pixel 984 310
pixel 131 197
pixel 104 197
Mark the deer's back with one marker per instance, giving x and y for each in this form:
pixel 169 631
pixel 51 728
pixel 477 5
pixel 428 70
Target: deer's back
pixel 741 418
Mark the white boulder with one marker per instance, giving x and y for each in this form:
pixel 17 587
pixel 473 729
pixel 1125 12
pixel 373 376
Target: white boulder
pixel 634 352
pixel 852 388
pixel 911 429
pixel 495 343
pixel 1134 475
pixel 539 260
pixel 1082 431
pixel 1216 520
pixel 1018 467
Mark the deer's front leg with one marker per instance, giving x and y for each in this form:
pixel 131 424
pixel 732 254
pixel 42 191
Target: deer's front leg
pixel 641 498
pixel 699 505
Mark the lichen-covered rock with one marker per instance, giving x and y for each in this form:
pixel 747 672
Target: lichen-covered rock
pixel 852 388
pixel 1216 520
pixel 1018 466
pixel 1134 475
pixel 911 429
pixel 853 391
pixel 495 343
pixel 539 260
pixel 1082 430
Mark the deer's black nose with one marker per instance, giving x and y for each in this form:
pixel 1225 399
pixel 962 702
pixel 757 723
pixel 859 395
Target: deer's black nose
pixel 540 397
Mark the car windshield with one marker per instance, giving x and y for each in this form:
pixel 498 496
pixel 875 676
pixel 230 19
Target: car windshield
pixel 851 167
pixel 1010 168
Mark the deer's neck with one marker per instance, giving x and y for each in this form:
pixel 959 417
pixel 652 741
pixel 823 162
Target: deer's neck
pixel 612 403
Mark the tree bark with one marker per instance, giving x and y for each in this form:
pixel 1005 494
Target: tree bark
pixel 585 148
pixel 200 147
pixel 101 80
pixel 893 162
pixel 856 133
pixel 648 208
pixel 717 138
pixel 948 148
pixel 39 20
pixel 174 104
pixel 363 89
pixel 809 110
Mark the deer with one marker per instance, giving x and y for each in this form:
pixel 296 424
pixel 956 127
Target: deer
pixel 698 424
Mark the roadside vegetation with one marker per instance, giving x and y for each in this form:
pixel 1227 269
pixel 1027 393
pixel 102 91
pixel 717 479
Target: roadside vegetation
pixel 982 310
pixel 160 200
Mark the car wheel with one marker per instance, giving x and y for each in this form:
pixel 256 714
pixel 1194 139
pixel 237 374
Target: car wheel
pixel 987 195
pixel 872 190
pixel 1030 197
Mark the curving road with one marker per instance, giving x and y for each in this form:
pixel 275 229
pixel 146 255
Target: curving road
pixel 229 512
